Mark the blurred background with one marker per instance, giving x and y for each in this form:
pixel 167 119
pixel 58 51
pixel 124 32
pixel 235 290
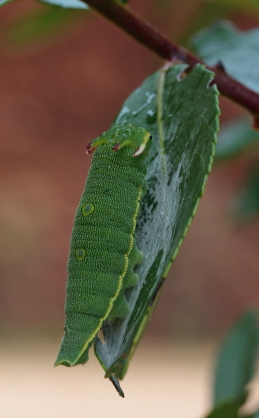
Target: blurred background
pixel 63 80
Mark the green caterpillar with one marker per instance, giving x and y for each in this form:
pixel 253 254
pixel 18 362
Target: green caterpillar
pixel 103 252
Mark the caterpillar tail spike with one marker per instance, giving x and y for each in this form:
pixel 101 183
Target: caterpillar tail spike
pixel 117 385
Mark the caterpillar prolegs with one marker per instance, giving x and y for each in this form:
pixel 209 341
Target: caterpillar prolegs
pixel 103 252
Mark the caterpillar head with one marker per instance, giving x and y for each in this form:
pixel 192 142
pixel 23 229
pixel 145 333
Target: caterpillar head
pixel 121 136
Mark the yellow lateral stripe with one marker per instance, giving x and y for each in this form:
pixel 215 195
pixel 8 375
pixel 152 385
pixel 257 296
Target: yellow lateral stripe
pixel 120 279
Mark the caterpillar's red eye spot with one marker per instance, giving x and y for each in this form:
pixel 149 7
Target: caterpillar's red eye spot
pixel 116 147
pixel 88 146
pixel 89 149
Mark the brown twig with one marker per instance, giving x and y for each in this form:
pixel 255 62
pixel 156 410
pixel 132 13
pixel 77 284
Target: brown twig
pixel 149 36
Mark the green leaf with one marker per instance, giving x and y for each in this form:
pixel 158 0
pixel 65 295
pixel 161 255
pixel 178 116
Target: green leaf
pixel 229 410
pixel 246 202
pixel 66 4
pixel 235 137
pixel 181 113
pixel 236 361
pixel 248 5
pixel 38 26
pixel 237 50
pixel 71 4
pixel 225 410
pixel 2 2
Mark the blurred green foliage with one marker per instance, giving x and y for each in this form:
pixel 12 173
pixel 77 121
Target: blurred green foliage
pixel 236 50
pixel 2 2
pixel 248 5
pixel 40 26
pixel 66 4
pixel 235 137
pixel 245 205
pixel 236 360
pixel 235 367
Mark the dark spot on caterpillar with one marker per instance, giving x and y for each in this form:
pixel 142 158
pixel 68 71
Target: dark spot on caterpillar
pixel 87 209
pixel 80 254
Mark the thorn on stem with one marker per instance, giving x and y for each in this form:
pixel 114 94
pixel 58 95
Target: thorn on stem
pixel 220 66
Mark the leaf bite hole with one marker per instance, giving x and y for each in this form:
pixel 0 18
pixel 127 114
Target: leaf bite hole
pixel 183 73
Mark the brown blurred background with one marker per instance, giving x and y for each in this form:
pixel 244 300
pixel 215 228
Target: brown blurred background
pixel 57 94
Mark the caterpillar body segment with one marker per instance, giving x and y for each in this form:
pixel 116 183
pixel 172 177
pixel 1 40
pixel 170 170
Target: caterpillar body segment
pixel 103 252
